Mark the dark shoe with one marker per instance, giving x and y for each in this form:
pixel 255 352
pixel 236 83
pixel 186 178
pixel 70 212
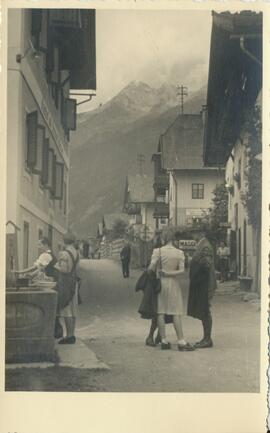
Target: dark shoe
pixel 204 344
pixel 67 340
pixel 150 342
pixel 165 346
pixel 185 347
pixel 199 342
pixel 158 339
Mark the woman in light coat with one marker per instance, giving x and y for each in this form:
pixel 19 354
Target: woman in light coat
pixel 170 263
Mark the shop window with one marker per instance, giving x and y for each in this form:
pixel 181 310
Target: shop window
pixel 197 190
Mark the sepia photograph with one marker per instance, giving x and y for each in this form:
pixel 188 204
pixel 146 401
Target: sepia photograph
pixel 133 232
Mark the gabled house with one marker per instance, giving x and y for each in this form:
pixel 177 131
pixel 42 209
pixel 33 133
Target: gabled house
pixel 234 91
pixel 191 184
pixel 139 200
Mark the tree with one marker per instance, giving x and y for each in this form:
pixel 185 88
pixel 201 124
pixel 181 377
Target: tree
pixel 252 197
pixel 119 228
pixel 218 213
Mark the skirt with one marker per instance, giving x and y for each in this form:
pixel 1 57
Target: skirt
pixel 71 309
pixel 170 299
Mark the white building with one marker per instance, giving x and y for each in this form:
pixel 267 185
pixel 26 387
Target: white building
pixel 191 185
pixel 48 54
pixel 234 85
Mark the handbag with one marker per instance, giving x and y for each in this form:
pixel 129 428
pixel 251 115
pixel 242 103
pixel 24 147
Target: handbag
pixel 158 280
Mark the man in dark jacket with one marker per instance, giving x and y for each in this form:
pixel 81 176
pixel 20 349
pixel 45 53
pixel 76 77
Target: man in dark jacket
pixel 202 287
pixel 125 259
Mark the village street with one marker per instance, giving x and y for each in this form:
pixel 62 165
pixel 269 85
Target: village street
pixel 109 325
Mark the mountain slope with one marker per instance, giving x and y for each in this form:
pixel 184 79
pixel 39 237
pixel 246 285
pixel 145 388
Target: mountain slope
pixel 106 146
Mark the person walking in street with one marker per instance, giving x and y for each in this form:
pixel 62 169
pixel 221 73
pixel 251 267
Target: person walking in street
pixel 86 249
pixel 170 263
pixel 202 286
pixel 125 256
pixel 67 266
pixel 223 254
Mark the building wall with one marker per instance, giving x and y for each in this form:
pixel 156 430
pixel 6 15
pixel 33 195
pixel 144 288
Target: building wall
pixel 245 263
pixel 27 202
pixel 182 206
pixel 147 211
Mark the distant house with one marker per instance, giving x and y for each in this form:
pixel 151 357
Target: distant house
pixel 109 221
pixel 191 184
pixel 234 86
pixel 139 200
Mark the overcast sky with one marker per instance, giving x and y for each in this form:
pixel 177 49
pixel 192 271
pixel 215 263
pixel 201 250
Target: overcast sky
pixel 150 46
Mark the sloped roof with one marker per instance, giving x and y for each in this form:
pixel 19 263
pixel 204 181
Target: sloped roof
pixel 234 80
pixel 110 219
pixel 140 189
pixel 182 143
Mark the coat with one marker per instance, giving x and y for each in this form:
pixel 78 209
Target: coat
pixel 202 280
pixel 148 283
pixel 125 254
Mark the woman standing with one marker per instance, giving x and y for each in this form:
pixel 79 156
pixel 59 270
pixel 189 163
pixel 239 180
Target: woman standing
pixel 170 263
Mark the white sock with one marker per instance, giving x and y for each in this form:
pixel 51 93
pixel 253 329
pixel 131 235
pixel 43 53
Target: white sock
pixel 182 342
pixel 164 340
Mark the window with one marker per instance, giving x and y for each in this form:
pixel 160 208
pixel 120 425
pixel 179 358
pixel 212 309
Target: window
pixel 64 198
pixel 45 163
pixel 40 234
pixel 198 190
pixel 59 177
pixel 49 183
pixel 31 148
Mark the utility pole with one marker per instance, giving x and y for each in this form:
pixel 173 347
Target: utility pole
pixel 140 161
pixel 182 91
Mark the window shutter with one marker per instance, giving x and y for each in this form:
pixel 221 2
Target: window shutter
pixel 53 176
pixel 31 122
pixel 59 179
pixel 49 184
pixel 37 167
pixel 45 162
pixel 70 114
